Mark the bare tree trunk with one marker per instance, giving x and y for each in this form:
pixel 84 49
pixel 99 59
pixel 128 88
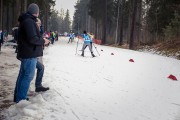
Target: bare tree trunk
pixel 117 23
pixel 139 20
pixel 45 17
pixel 92 25
pixel 23 8
pixel 7 18
pixel 121 24
pixel 105 23
pixel 45 20
pixel 89 23
pixel 156 37
pixel 96 29
pixel 129 21
pixel 25 5
pixel 131 44
pixel 1 18
pixel 16 12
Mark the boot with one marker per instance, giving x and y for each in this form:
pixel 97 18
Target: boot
pixel 41 89
pixel 82 54
pixel 93 55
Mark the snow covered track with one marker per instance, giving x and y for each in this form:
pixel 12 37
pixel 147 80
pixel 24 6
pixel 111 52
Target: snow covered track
pixel 103 88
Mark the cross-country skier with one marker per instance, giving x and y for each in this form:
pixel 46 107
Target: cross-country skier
pixel 87 42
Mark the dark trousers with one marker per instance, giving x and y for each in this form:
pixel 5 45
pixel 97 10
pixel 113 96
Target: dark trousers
pixel 39 75
pixel 70 40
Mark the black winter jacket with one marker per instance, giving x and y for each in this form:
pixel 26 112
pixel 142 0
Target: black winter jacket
pixel 30 42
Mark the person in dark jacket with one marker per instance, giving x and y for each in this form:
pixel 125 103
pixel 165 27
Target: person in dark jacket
pixel 30 46
pixel 39 65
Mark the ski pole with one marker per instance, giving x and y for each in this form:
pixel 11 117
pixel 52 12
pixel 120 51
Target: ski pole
pixel 77 45
pixel 96 49
pixel 78 37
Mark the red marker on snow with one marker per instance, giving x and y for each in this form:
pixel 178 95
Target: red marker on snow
pixel 131 60
pixel 172 77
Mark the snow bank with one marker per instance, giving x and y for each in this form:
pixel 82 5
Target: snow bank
pixel 103 88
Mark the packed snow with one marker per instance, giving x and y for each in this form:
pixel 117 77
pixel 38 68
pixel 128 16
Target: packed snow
pixel 107 87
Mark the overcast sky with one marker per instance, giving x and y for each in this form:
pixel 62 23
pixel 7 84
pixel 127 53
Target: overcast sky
pixel 66 4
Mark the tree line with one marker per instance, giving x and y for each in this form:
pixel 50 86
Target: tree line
pixel 60 21
pixel 52 20
pixel 132 22
pixel 119 22
pixel 11 9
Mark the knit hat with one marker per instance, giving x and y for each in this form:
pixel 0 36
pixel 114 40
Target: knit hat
pixel 85 32
pixel 33 8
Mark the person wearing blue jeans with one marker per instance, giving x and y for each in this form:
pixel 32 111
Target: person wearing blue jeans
pixel 26 74
pixel 30 47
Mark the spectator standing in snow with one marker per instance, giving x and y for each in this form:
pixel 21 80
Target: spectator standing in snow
pixel 56 35
pixel 5 35
pixel 52 37
pixel 30 46
pixel 40 67
pixel 1 38
pixel 71 37
pixel 87 42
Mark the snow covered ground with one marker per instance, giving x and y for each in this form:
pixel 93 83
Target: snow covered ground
pixel 107 87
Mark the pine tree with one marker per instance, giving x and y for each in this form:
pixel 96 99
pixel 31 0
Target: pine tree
pixel 67 22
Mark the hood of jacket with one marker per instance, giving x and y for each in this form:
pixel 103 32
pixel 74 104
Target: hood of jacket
pixel 25 16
